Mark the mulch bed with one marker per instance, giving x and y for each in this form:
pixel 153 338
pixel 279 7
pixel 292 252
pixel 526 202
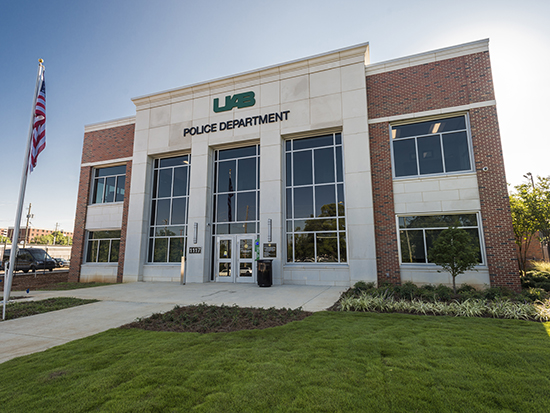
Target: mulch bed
pixel 22 282
pixel 203 318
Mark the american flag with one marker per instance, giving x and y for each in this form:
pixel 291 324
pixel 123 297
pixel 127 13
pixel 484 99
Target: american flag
pixel 39 129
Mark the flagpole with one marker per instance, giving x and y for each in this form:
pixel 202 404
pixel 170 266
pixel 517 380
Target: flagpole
pixel 8 275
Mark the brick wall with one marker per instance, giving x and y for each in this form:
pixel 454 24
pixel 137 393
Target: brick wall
pixel 107 144
pixel 447 83
pixel 452 82
pixel 122 248
pixel 101 145
pixel 77 252
pixel 495 203
pixel 387 253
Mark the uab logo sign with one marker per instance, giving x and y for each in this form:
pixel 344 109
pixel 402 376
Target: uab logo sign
pixel 240 100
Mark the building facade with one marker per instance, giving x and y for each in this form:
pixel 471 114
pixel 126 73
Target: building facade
pixel 336 169
pixel 29 235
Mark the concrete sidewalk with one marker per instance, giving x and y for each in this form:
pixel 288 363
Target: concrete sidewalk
pixel 123 303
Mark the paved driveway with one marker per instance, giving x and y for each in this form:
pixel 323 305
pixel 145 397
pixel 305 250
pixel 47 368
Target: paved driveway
pixel 123 303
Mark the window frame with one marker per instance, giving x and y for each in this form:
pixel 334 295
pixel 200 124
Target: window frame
pixel 95 178
pixel 152 226
pixel 341 232
pixel 479 228
pixel 88 240
pixel 236 191
pixel 441 145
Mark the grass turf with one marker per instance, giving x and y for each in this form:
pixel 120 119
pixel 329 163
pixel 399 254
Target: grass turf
pixel 28 308
pixel 328 362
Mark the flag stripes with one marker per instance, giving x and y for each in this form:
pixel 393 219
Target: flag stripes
pixel 39 129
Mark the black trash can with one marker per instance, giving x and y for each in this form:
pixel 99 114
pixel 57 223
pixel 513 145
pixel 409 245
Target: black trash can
pixel 265 275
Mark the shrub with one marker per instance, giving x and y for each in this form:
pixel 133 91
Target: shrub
pixel 408 290
pixel 444 293
pixel 455 251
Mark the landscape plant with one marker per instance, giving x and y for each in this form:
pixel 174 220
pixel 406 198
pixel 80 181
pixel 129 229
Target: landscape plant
pixel 530 207
pixel 455 251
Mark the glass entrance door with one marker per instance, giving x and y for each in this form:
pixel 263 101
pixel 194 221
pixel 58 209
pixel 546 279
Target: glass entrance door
pixel 235 258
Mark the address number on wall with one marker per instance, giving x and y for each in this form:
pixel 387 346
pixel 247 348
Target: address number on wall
pixel 195 250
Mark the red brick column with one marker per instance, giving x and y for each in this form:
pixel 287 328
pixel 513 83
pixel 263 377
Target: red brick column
pixel 387 253
pixel 495 204
pixel 79 236
pixel 122 249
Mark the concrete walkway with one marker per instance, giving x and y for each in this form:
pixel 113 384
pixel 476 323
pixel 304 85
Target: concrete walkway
pixel 123 303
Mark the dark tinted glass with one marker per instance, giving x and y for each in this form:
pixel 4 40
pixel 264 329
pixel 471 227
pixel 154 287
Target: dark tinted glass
pixel 104 234
pixel 246 204
pixel 120 182
pixel 404 155
pixel 115 245
pixel 237 152
pixel 110 189
pixel 155 183
pixel 339 168
pixel 113 170
pixel 163 212
pixel 341 204
pixel 180 182
pixel 324 165
pixel 302 168
pixel 303 202
pixel 325 201
pixel 430 127
pixel 98 191
pixel 343 248
pixel 338 137
pixel 227 176
pixel 313 142
pixel 179 211
pixel 304 247
pixel 429 155
pixel 103 255
pixel 247 174
pixel 438 221
pixel 178 161
pixel 165 183
pixel 412 246
pixel 288 170
pixel 91 256
pixel 161 250
pixel 457 157
pixel 176 249
pixel 289 248
pixel 287 145
pixel 327 247
pixel 225 204
pixel 289 203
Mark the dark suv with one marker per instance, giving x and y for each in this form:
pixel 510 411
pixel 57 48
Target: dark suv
pixel 30 259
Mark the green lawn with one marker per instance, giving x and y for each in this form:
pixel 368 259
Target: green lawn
pixel 18 309
pixel 329 362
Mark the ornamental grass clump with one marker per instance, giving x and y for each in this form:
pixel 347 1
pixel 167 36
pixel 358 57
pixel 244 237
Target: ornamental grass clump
pixel 499 308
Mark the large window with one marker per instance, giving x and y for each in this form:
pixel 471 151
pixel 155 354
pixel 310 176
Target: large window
pixel 236 191
pixel 109 184
pixel 103 246
pixel 417 234
pixel 433 147
pixel 169 208
pixel 315 203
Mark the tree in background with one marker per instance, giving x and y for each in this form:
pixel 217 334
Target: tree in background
pixel 456 251
pixel 55 238
pixel 530 206
pixel 4 239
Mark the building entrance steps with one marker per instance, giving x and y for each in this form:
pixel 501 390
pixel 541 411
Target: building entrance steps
pixel 122 303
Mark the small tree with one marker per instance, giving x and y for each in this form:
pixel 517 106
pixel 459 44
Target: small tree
pixel 455 251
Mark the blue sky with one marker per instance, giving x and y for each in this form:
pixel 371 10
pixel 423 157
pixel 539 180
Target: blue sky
pixel 100 54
